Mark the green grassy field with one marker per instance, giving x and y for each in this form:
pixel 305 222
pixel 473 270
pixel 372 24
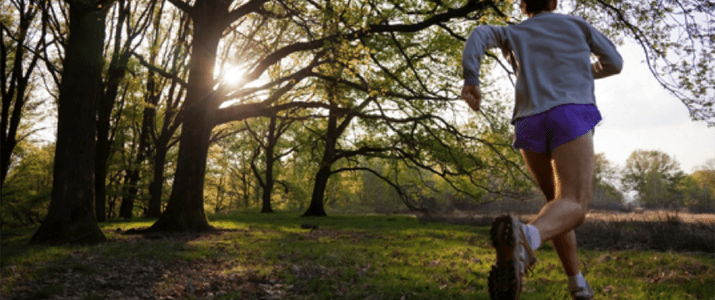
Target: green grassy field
pixel 259 256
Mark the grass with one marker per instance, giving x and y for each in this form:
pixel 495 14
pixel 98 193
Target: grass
pixel 347 257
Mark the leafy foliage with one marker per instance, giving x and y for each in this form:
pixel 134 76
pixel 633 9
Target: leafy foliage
pixel 654 175
pixel 28 188
pixel 606 194
pixel 677 38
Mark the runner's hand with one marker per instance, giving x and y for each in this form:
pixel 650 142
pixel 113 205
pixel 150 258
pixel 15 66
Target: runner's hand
pixel 472 95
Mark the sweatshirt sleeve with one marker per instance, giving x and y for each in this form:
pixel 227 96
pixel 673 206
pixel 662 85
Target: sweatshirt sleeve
pixel 609 61
pixel 481 39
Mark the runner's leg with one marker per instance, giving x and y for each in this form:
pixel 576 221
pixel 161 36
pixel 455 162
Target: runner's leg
pixel 573 165
pixel 542 170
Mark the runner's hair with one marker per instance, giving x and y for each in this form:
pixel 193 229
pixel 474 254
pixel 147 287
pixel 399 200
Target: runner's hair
pixel 535 6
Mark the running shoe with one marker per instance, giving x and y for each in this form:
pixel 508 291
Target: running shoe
pixel 582 293
pixel 514 258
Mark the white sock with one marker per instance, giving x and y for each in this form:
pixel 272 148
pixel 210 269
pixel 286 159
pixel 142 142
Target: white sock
pixel 533 236
pixel 576 281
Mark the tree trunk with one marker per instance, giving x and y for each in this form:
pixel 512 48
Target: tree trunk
pixel 126 209
pixel 157 185
pixel 316 208
pixel 185 210
pixel 100 177
pixel 71 216
pixel 267 191
pixel 270 159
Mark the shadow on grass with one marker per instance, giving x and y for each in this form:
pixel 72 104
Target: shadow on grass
pixel 369 257
pixel 252 256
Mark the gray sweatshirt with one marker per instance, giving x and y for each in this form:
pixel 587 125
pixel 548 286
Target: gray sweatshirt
pixel 550 53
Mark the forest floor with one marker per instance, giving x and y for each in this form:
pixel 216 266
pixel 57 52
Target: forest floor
pixel 655 255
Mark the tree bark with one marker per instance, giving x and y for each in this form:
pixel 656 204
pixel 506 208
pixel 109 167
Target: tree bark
pixel 185 210
pixel 71 216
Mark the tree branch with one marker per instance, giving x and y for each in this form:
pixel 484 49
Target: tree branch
pixel 251 6
pixel 185 7
pixel 161 71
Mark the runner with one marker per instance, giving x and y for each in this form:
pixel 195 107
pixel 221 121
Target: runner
pixel 554 118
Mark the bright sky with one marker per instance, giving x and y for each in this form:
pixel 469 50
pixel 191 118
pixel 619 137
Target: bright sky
pixel 639 114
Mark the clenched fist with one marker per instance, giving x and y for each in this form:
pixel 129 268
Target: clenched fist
pixel 472 95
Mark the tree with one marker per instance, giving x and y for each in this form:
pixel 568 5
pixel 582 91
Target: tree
pixel 136 18
pixel 20 52
pixel 202 109
pixel 705 174
pixel 698 189
pixel 185 210
pixel 605 194
pixel 28 188
pixel 165 90
pixel 399 107
pixel 677 37
pixel 697 195
pixel 273 154
pixel 654 175
pixel 71 216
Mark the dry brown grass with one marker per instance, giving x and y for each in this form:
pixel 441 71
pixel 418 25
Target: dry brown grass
pixel 652 216
pixel 603 230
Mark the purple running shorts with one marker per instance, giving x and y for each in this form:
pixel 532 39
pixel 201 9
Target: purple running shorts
pixel 545 131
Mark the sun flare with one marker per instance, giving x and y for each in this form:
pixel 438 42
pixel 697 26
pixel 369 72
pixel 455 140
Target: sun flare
pixel 233 75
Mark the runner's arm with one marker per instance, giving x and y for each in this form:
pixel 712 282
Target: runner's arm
pixel 481 39
pixel 609 61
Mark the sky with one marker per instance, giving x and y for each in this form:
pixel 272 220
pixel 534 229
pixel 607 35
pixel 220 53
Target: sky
pixel 640 114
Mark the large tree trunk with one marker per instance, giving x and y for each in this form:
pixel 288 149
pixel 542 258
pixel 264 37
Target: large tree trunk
pixel 316 208
pixel 185 210
pixel 71 216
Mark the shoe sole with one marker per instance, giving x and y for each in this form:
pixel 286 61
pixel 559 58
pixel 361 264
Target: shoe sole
pixel 504 281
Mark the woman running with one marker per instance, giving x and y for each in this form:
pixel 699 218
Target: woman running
pixel 554 118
